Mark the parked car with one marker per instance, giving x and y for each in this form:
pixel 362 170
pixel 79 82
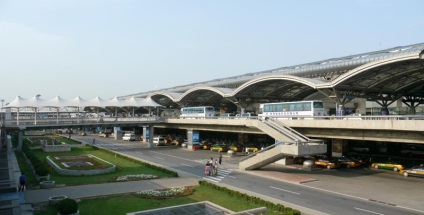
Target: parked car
pixel 178 141
pixel 327 163
pixel 205 146
pixel 235 147
pixel 105 135
pixel 158 141
pixel 128 137
pixel 391 165
pixel 414 171
pixel 219 148
pixel 348 163
pixel 82 134
pixel 353 116
pixel 251 148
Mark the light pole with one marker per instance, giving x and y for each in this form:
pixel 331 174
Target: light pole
pixel 1 112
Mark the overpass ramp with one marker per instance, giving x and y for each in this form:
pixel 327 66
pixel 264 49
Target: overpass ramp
pixel 279 151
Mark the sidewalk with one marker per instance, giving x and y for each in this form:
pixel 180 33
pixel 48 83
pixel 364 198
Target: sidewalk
pixel 92 190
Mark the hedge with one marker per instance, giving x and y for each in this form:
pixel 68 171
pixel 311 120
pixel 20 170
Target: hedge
pixel 253 199
pixel 151 166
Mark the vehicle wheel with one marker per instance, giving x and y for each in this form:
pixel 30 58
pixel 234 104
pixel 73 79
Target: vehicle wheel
pixel 328 167
pixel 376 166
pixel 405 174
pixel 395 169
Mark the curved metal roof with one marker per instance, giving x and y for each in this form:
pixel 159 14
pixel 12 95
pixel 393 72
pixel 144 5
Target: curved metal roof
pixel 397 72
pixel 314 69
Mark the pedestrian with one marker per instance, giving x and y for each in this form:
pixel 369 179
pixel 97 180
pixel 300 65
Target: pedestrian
pixel 94 141
pixel 22 182
pixel 211 161
pixel 220 159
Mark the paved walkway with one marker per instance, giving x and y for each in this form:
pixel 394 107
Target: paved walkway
pixel 92 190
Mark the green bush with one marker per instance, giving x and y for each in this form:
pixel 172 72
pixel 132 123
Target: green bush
pixel 275 207
pixel 173 173
pixel 67 206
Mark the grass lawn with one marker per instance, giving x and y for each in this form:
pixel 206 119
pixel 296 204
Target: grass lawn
pixel 120 205
pixel 124 167
pixel 31 181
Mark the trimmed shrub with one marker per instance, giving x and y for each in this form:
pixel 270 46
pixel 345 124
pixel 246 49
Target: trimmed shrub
pixel 67 206
pixel 255 200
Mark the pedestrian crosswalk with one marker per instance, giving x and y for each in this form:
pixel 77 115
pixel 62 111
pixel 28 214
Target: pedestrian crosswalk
pixel 222 172
pixel 115 146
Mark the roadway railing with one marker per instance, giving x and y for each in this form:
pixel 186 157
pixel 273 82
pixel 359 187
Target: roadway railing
pixel 72 120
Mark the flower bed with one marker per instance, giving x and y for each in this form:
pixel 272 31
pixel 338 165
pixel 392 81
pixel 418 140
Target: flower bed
pixel 133 177
pixel 166 193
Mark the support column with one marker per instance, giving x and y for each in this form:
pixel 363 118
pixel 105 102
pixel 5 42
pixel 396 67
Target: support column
pixel 412 103
pixel 20 139
pixel 337 148
pixel 361 106
pixel 117 133
pixel 151 134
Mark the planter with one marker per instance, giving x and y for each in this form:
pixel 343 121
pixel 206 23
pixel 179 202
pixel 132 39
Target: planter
pixel 77 213
pixel 55 199
pixel 47 184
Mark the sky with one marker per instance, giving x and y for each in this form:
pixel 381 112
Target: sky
pixel 111 48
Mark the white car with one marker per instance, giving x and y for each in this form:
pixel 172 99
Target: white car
pixel 354 116
pixel 128 137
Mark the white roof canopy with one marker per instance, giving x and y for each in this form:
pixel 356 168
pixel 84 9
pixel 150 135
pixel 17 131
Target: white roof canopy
pixel 57 102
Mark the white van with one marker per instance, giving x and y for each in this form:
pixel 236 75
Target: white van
pixel 128 137
pixel 158 141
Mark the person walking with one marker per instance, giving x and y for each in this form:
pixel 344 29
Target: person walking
pixel 94 141
pixel 22 182
pixel 220 159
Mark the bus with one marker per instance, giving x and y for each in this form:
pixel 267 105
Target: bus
pixel 197 112
pixel 291 109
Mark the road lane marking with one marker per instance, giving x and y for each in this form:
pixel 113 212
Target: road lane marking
pixel 231 176
pixel 187 165
pixel 159 158
pixel 284 190
pixel 360 209
pixel 211 179
pixel 412 209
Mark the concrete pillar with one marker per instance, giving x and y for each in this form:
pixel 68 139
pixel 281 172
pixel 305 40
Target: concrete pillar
pixel 145 134
pixel 361 105
pixel 337 148
pixel 117 134
pixel 20 139
pixel 151 135
pixel 192 136
pixel 399 103
pixel 340 110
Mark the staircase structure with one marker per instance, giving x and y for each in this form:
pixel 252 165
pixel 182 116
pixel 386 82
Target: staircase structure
pixel 289 143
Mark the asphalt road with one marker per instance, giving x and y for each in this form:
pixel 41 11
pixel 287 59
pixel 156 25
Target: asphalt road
pixel 336 192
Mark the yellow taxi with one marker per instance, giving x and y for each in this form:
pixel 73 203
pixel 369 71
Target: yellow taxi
pixel 103 135
pixel 235 147
pixel 219 148
pixel 206 146
pixel 326 163
pixel 252 148
pixel 348 163
pixel 414 171
pixel 390 165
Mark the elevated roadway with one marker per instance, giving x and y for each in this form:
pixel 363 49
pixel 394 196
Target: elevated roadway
pixel 406 129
